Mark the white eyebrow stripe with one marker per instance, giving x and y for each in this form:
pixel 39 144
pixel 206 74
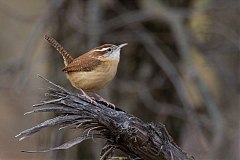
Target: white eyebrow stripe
pixel 103 49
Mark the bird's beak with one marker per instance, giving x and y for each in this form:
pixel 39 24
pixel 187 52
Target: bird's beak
pixel 121 45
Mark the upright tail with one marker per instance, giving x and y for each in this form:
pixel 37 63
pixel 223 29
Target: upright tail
pixel 66 57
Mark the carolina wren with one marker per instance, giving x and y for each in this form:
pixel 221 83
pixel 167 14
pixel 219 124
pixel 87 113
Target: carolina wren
pixel 92 70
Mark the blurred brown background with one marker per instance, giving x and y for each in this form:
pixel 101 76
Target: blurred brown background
pixel 180 68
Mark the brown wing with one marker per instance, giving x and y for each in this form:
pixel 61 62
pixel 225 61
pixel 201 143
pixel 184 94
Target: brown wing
pixel 83 63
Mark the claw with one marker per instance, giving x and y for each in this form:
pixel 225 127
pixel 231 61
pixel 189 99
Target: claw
pixel 84 94
pixel 101 99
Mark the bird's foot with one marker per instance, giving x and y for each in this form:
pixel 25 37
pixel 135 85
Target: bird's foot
pixel 101 99
pixel 91 99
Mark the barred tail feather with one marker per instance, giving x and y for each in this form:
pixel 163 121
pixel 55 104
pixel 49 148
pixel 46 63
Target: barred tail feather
pixel 66 57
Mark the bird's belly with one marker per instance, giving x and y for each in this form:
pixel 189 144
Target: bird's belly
pixel 93 80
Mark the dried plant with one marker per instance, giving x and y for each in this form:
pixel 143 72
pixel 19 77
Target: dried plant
pixel 119 129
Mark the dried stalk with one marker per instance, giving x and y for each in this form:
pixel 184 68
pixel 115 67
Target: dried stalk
pixel 120 130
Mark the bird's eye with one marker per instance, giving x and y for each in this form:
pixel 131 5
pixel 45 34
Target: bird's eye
pixel 109 49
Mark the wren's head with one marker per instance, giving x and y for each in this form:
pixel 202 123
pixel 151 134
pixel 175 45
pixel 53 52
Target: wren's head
pixel 109 51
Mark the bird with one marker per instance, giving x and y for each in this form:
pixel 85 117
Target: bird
pixel 92 70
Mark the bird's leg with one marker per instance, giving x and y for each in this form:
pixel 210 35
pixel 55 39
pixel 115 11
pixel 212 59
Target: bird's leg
pixel 84 94
pixel 101 99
